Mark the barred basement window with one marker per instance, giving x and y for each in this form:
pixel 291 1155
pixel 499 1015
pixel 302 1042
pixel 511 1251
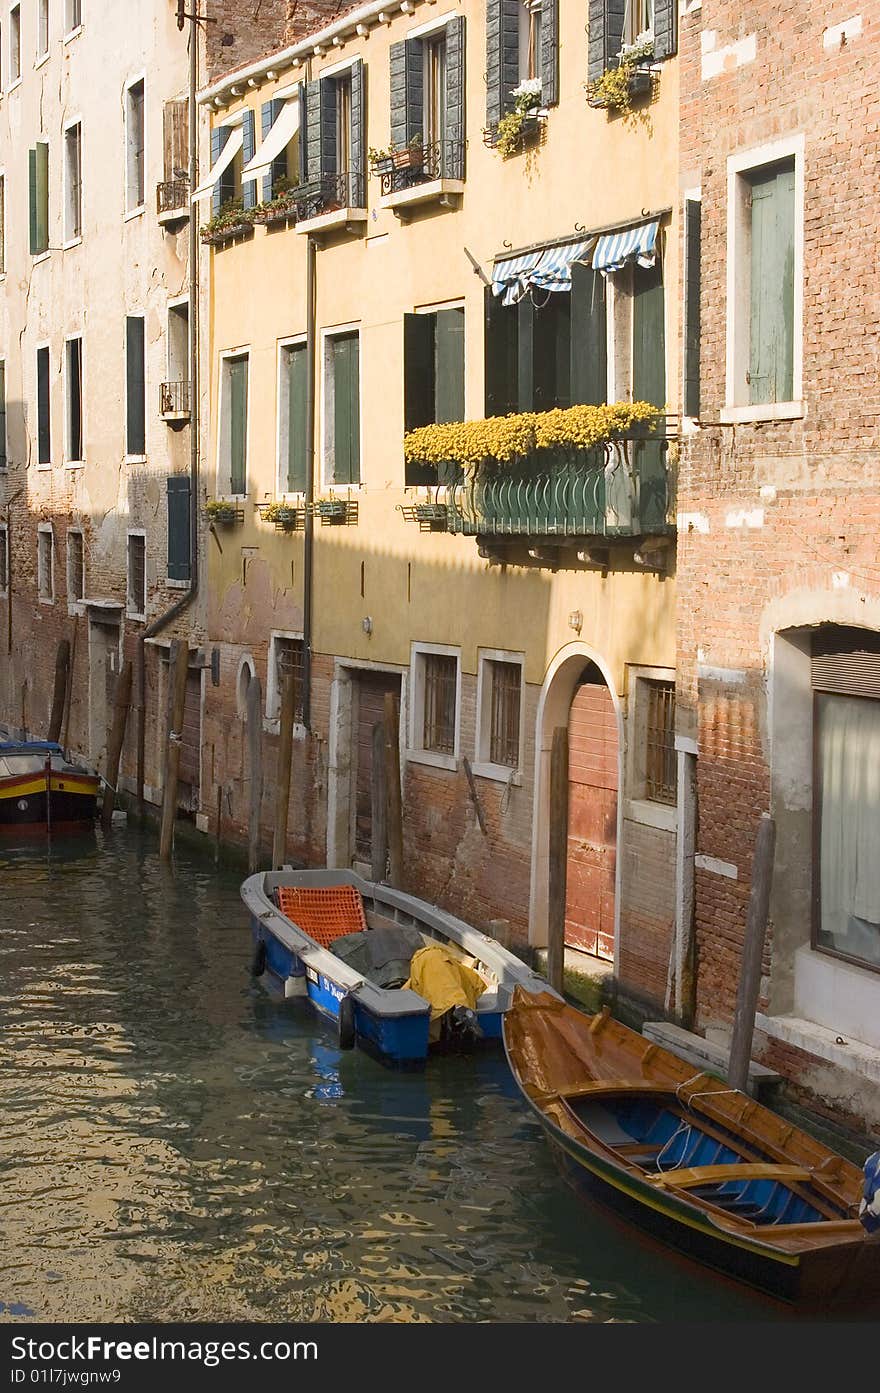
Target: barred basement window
pixel 289 655
pixel 441 680
pixel 506 691
pixel 137 574
pixel 660 764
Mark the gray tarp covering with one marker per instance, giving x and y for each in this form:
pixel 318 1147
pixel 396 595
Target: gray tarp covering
pixel 382 956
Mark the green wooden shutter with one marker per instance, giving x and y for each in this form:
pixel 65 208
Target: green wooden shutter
pixel 502 57
pixel 303 171
pixel 42 195
pixel 454 117
pixel 135 415
pixel 219 137
pixel 771 328
pixel 44 430
pixel 500 352
pixel 589 344
pixel 596 40
pixel 3 458
pixel 346 410
pixel 248 151
pixel 692 209
pixel 329 161
pixel 32 201
pixel 297 384
pixel 179 537
pixel 449 365
pixel 269 113
pixel 649 336
pixel 549 52
pixel 665 28
pixel 615 16
pixel 418 386
pixel 407 91
pixel 311 131
pixel 238 407
pixel 356 179
pixel 551 353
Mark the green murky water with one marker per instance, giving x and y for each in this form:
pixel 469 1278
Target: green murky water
pixel 174 1145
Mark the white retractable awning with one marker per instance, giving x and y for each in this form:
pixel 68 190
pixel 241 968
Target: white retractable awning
pixel 284 128
pixel 222 163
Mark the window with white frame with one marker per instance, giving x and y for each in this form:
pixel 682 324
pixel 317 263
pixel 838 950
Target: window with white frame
pixel 233 443
pixel 42 28
pixel 342 431
pixel 765 282
pixel 292 414
pixel 137 575
pixel 44 424
pixel 134 147
pixel 76 566
pixel 14 44
pixel 436 686
pixel 4 559
pixel 72 15
pixel 73 392
pixel 135 387
pixel 286 655
pixel 45 563
pixel 73 182
pixel 530 39
pixel 638 22
pixel 499 712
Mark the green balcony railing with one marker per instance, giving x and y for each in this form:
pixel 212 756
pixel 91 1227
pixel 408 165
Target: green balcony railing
pixel 619 490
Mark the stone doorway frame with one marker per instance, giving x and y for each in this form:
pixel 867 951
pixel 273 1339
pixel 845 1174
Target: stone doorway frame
pixel 340 745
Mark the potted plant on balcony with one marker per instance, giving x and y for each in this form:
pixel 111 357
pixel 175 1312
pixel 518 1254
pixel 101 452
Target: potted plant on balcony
pixel 222 513
pixel 283 515
pixel 282 205
pixel 522 121
pixel 411 156
pixel 233 220
pixel 331 510
pixel 615 89
pixel 382 161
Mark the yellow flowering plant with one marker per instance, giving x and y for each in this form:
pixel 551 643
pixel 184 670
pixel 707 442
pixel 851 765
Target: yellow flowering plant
pixel 502 439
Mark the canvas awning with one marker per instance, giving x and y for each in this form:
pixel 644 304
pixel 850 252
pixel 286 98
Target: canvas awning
pixel 548 269
pixel 284 128
pixel 615 249
pixel 220 165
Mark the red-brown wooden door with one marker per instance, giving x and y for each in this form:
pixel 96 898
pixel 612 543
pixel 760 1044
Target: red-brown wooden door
pixel 370 699
pixel 592 820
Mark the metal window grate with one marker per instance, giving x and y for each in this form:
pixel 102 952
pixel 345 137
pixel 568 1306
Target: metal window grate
pixel 504 724
pixel 290 657
pixel 137 574
pixel 660 767
pixel 440 683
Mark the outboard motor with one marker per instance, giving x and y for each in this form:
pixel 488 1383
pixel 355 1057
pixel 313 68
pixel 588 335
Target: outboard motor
pixel 869 1209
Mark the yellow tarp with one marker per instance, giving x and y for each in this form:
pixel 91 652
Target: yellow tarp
pixel 443 981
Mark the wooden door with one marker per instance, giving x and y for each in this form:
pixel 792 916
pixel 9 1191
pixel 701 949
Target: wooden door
pixel 369 704
pixel 592 820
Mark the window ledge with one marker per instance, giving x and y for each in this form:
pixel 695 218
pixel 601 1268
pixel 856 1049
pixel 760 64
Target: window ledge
pixel 173 215
pixel 432 758
pixel 74 33
pixel 501 773
pixel 340 217
pixel 45 465
pixel 74 242
pixel 816 1040
pixel 41 256
pixel 434 190
pixel 12 86
pixel 74 464
pixel 663 816
pixel 135 459
pixel 137 617
pixel 177 584
pixel 76 607
pixel 766 411
pixel 47 599
pixel 134 213
pixel 41 61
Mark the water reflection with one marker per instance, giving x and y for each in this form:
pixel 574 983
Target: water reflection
pixel 178 1146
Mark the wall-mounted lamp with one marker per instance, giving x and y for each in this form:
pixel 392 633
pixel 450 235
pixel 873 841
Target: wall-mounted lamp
pixel 576 620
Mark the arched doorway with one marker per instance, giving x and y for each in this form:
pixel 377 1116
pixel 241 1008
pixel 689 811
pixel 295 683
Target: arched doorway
pixel 578 685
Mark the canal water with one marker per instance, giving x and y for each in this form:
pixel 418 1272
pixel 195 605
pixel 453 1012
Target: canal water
pixel 175 1145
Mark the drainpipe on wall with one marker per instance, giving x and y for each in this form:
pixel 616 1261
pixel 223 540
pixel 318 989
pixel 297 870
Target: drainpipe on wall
pixel 685 851
pixel 186 599
pixel 309 539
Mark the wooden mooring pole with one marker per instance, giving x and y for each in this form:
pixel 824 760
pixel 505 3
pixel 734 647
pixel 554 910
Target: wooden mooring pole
pixel 558 871
pixel 392 780
pixel 178 665
pixel 255 768
pixel 115 740
pixel 752 954
pixel 282 773
pixel 59 692
pixel 378 807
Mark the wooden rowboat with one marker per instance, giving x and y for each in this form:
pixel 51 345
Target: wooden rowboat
pixel 41 792
pixel 701 1166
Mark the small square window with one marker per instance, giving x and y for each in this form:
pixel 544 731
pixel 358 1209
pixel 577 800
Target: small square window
pixel 286 655
pixel 435 705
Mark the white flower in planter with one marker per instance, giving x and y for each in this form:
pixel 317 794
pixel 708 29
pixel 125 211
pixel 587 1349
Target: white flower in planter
pixel 530 88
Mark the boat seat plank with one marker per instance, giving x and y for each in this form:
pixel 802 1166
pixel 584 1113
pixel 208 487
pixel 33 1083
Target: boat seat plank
pixel 627 1086
pixel 689 1177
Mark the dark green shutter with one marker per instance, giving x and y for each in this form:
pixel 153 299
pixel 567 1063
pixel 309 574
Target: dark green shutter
pixel 219 137
pixel 3 459
pixel 269 113
pixel 238 407
pixel 771 328
pixel 346 410
pixel 310 130
pixel 418 386
pixel 32 201
pixel 179 550
pixel 589 345
pixel 692 308
pixel 551 352
pixel 649 336
pixel 407 91
pixel 329 160
pixel 135 416
pixel 550 52
pixel 500 355
pixel 42 195
pixel 44 431
pixel 303 172
pixel 453 153
pixel 297 382
pixel 665 28
pixel 502 57
pixel 74 399
pixel 606 19
pixel 615 16
pixel 248 151
pixel 357 183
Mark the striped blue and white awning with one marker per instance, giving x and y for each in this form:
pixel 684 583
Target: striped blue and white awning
pixel 615 249
pixel 549 270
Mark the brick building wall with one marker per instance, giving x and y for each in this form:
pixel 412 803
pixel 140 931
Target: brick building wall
pixel 246 30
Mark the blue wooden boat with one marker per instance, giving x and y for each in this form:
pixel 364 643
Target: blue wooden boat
pixel 297 916
pixel 701 1166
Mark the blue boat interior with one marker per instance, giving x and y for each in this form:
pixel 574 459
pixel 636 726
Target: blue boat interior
pixel 658 1135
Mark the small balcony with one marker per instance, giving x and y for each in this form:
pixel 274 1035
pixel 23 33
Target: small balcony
pixel 421 174
pixel 332 202
pixel 172 202
pixel 174 402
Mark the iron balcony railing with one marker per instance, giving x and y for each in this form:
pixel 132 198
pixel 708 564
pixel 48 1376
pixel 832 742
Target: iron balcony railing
pixel 328 193
pixel 442 159
pixel 618 490
pixel 174 399
pixel 172 196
